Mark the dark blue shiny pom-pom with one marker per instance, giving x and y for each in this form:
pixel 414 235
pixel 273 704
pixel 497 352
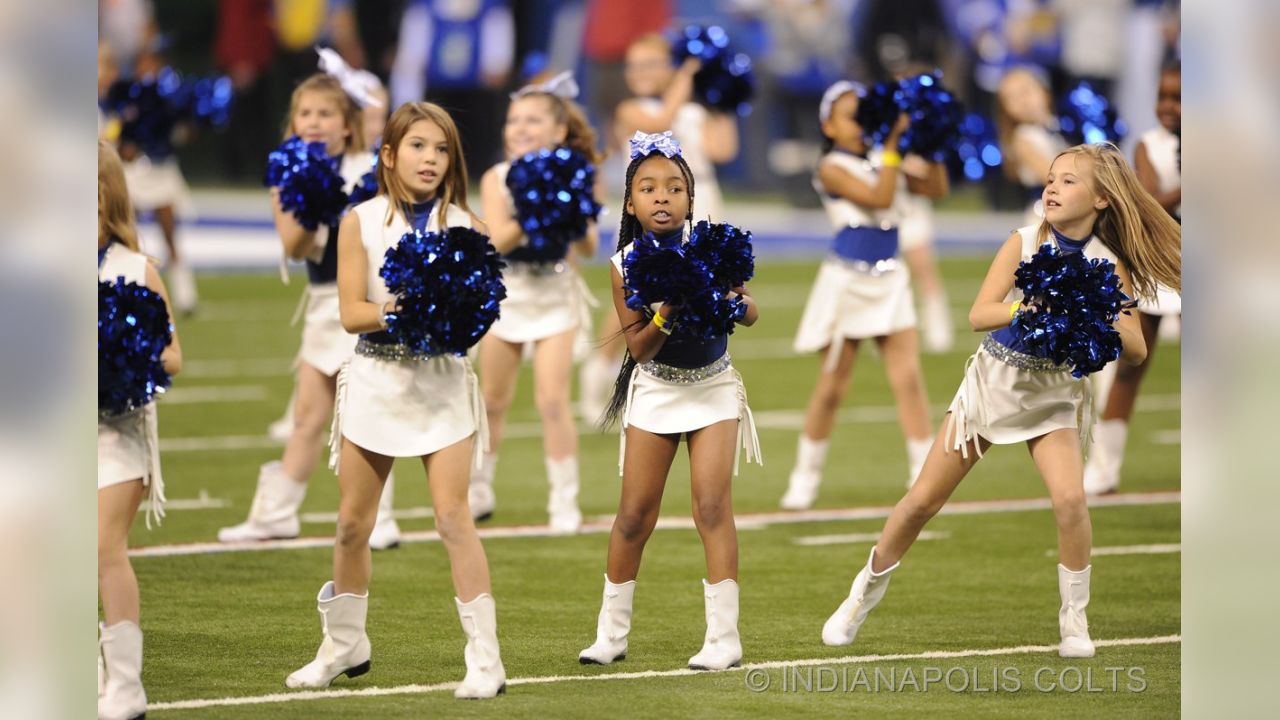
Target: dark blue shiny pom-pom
pixel 133 331
pixel 150 108
pixel 936 118
pixel 1086 117
pixel 554 195
pixel 367 187
pixel 725 81
pixel 878 111
pixel 449 287
pixel 309 183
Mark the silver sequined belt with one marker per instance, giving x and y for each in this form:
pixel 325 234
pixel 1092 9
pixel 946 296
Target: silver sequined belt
pixel 687 376
pixel 389 351
pixel 1019 360
pixel 862 267
pixel 536 269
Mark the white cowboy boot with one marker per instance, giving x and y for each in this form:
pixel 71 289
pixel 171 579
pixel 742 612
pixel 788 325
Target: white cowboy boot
pixel 939 334
pixel 386 532
pixel 868 587
pixel 917 452
pixel 485 674
pixel 122 696
pixel 274 513
pixel 802 486
pixel 1102 471
pixel 480 495
pixel 595 380
pixel 345 648
pixel 1073 626
pixel 721 648
pixel 562 501
pixel 612 626
pixel 182 283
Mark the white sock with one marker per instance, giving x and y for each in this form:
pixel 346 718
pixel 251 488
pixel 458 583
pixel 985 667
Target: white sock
pixel 1111 438
pixel 811 456
pixel 488 468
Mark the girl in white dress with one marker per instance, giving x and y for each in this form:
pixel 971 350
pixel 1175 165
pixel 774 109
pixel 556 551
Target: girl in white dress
pixel 547 303
pixel 1028 133
pixel 128 463
pixel 392 402
pixel 863 289
pixel 1093 204
pixel 672 387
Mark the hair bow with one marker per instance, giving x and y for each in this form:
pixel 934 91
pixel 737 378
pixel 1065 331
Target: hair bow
pixel 361 85
pixel 561 86
pixel 833 93
pixel 646 143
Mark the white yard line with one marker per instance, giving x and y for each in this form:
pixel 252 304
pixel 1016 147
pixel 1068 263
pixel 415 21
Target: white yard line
pixel 1165 549
pixel 1167 437
pixel 855 538
pixel 413 513
pixel 972 507
pixel 331 694
pixel 188 395
pixel 203 502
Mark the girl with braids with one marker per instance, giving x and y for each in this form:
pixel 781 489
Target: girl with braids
pixel 547 303
pixel 1094 204
pixel 671 387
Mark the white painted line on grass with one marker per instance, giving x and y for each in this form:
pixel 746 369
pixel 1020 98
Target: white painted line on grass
pixel 203 502
pixel 1165 549
pixel 854 538
pixel 1167 437
pixel 333 694
pixel 972 507
pixel 213 393
pixel 331 518
pixel 249 367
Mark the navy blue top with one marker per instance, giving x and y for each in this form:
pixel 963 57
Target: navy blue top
pixel 1005 335
pixel 682 351
pixel 419 213
pixel 325 271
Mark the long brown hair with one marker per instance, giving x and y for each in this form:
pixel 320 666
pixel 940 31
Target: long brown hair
pixel 352 114
pixel 453 186
pixel 579 135
pixel 1006 124
pixel 1133 225
pixel 115 212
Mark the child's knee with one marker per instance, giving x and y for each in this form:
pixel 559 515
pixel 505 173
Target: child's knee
pixel 454 523
pixel 633 525
pixel 353 532
pixel 710 513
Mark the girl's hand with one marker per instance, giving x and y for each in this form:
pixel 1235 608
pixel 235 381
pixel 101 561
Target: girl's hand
pixel 690 66
pixel 669 310
pixel 899 127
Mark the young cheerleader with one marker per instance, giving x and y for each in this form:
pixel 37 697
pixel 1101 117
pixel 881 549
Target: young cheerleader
pixel 128 463
pixel 1157 161
pixel 320 111
pixel 546 303
pixel 862 290
pixel 1027 131
pixel 663 99
pixel 394 403
pixel 1093 204
pixel 671 387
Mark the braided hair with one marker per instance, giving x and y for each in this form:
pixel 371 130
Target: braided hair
pixel 630 230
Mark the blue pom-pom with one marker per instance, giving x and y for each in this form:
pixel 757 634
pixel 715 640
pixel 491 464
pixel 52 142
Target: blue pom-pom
pixel 878 111
pixel 1078 301
pixel 449 287
pixel 936 118
pixel 309 183
pixel 697 276
pixel 554 194
pixel 725 81
pixel 978 150
pixel 367 187
pixel 133 331
pixel 1085 116
pixel 150 108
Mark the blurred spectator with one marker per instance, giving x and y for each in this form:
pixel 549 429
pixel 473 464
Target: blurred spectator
pixel 1093 40
pixel 244 47
pixel 891 34
pixel 611 26
pixel 458 54
pixel 378 27
pixel 128 28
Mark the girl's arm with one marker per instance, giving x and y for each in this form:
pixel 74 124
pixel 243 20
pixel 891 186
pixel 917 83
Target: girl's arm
pixel 298 241
pixel 632 116
pixel 931 181
pixel 1133 348
pixel 1028 156
pixel 506 231
pixel 990 311
pixel 171 357
pixel 358 314
pixel 753 310
pixel 643 337
pixel 1151 181
pixel 878 196
pixel 720 137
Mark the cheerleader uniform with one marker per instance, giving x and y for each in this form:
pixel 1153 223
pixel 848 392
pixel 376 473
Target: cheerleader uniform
pixel 538 286
pixel 325 344
pixel 688 127
pixel 690 384
pixel 1008 396
pixel 390 400
pixel 129 443
pixel 1048 143
pixel 863 289
pixel 1164 151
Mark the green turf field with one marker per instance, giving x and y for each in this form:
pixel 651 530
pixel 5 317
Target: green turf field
pixel 234 624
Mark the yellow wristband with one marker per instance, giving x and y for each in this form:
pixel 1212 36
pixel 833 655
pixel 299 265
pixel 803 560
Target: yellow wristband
pixel 1013 310
pixel 891 158
pixel 661 322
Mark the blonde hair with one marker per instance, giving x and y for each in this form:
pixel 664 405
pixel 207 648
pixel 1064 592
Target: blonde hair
pixel 352 114
pixel 115 212
pixel 1006 124
pixel 579 135
pixel 654 40
pixel 1132 225
pixel 453 186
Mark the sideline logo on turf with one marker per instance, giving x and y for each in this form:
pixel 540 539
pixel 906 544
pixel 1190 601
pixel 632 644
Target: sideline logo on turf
pixel 957 679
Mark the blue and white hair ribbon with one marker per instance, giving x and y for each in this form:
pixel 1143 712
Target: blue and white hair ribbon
pixel 834 93
pixel 361 85
pixel 561 86
pixel 643 144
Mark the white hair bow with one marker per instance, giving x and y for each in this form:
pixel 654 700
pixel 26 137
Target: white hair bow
pixel 361 85
pixel 833 94
pixel 562 86
pixel 643 144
